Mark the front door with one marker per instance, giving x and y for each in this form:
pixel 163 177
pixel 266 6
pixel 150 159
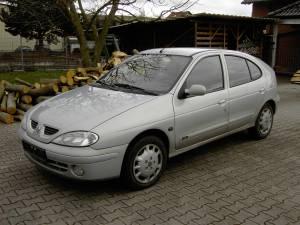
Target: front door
pixel 198 118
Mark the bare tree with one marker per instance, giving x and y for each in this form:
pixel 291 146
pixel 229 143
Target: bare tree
pixel 85 15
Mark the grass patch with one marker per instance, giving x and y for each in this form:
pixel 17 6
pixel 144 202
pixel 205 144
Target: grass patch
pixel 31 77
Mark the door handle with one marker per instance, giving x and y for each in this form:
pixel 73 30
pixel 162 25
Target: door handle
pixel 262 91
pixel 222 102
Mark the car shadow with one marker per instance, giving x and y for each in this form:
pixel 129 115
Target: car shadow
pixel 115 186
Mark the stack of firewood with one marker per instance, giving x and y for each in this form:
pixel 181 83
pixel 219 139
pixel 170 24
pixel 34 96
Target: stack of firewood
pixel 17 98
pixel 296 78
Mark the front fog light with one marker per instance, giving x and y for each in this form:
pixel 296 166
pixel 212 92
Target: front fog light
pixel 78 171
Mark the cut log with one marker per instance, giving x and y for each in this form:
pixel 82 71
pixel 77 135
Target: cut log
pixel 17 96
pixel 6 118
pixel 37 85
pixel 295 79
pixel 27 99
pixel 17 88
pixel 2 91
pixel 81 71
pixel 94 70
pixel 63 79
pixel 70 81
pixel 11 103
pixel 24 107
pixel 78 79
pixel 119 54
pixel 20 112
pixel 49 81
pixel 94 77
pixel 47 90
pixel 70 73
pixel 55 88
pixel 20 81
pixel 3 106
pixel 42 98
pixel 18 117
pixel 90 81
pixel 64 89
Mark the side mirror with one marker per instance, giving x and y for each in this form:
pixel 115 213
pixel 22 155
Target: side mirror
pixel 195 90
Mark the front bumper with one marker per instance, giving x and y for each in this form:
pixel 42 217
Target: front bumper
pixel 77 163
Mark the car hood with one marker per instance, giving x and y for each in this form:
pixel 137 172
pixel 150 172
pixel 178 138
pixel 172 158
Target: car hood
pixel 85 108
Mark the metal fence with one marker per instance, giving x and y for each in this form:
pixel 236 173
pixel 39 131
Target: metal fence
pixel 30 61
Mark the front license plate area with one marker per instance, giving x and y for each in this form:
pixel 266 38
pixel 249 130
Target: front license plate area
pixel 34 151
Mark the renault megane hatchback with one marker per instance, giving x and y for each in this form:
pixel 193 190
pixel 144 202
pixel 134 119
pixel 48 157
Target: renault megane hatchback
pixel 155 105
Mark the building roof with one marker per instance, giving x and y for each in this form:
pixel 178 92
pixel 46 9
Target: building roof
pixel 201 16
pixel 291 10
pixel 253 1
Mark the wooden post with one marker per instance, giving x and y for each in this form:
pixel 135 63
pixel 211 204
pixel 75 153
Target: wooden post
pixel 195 33
pixel 224 36
pixel 238 36
pixel 274 47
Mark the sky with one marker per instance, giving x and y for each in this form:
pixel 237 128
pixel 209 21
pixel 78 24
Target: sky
pixel 229 7
pixel 154 7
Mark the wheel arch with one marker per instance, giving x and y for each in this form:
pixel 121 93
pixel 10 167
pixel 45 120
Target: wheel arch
pixel 272 103
pixel 152 132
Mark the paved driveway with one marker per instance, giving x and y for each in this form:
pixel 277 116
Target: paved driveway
pixel 232 181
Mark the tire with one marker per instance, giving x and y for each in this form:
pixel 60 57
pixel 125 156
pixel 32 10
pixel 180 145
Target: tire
pixel 144 162
pixel 263 124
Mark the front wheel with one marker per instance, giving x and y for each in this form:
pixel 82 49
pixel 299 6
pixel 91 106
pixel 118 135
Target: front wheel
pixel 264 123
pixel 144 163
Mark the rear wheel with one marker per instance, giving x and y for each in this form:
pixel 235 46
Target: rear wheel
pixel 144 163
pixel 264 123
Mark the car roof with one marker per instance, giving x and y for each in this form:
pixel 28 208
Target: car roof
pixel 192 51
pixel 176 51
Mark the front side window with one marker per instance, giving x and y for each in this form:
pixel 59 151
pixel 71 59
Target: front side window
pixel 237 70
pixel 208 72
pixel 155 74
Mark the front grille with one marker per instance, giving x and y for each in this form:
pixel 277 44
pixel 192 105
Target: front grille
pixel 39 155
pixel 34 124
pixel 50 130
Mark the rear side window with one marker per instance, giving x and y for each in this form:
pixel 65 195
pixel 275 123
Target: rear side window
pixel 254 70
pixel 209 73
pixel 238 70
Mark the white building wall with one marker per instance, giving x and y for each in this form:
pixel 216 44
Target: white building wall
pixel 9 42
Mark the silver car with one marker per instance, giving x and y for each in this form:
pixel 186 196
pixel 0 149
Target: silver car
pixel 154 106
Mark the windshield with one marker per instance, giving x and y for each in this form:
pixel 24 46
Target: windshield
pixel 155 74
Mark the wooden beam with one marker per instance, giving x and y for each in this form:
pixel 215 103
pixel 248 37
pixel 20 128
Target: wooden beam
pixel 195 33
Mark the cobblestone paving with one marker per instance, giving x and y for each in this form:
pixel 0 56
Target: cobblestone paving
pixel 232 181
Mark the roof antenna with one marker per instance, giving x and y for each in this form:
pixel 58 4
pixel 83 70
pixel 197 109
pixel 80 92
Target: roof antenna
pixel 161 51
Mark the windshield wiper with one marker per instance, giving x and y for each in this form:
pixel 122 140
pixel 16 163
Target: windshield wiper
pixel 131 87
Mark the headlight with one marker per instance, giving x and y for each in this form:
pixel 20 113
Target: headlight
pixel 24 122
pixel 77 139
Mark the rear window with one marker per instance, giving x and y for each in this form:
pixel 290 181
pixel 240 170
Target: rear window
pixel 254 70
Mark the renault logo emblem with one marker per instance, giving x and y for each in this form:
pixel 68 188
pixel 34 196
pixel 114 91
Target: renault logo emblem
pixel 38 129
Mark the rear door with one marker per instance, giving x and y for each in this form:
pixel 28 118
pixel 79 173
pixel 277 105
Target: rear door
pixel 245 94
